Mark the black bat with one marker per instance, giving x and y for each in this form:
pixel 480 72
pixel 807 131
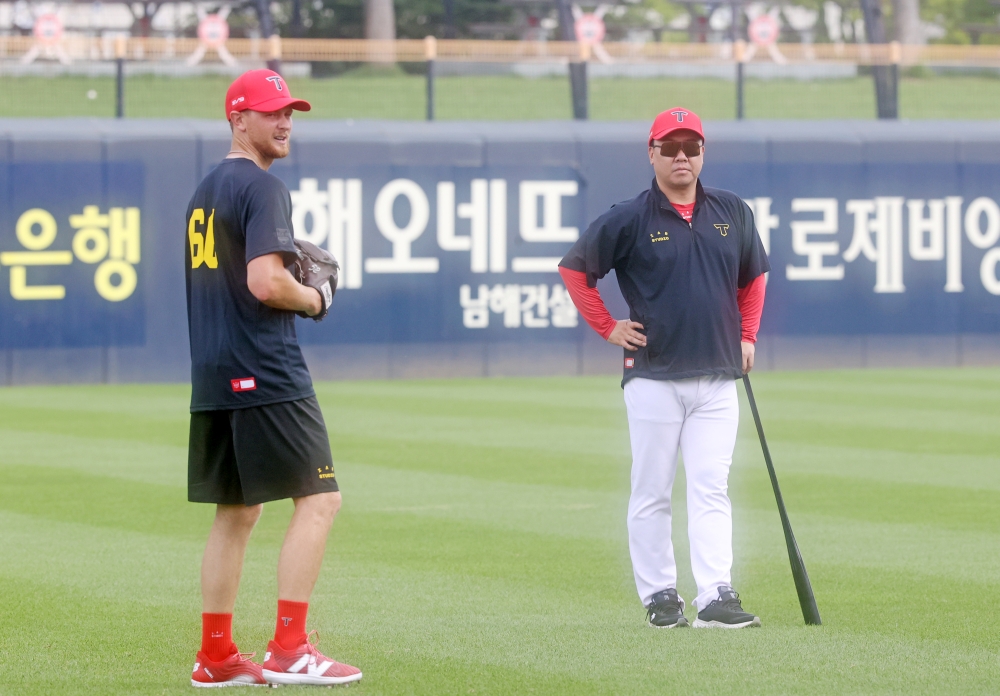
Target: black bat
pixel 807 600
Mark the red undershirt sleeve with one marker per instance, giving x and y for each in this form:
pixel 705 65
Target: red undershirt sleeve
pixel 589 303
pixel 750 300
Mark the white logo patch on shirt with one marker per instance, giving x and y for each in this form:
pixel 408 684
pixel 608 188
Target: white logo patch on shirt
pixel 244 384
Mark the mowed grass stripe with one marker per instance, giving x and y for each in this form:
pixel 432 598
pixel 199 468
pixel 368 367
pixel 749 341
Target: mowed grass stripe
pixel 418 626
pixel 478 561
pixel 124 459
pixel 953 508
pixel 965 389
pixel 952 470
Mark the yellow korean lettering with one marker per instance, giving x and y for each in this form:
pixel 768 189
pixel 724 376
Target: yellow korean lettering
pixel 202 244
pixel 20 290
pixel 25 229
pixel 90 243
pixel 127 280
pixel 20 260
pixel 125 234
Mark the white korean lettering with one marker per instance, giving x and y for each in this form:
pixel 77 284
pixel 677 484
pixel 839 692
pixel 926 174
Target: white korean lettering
pixel 953 244
pixel 938 236
pixel 764 220
pixel 344 241
pixel 813 250
pixel 475 310
pixel 309 203
pixel 887 248
pixel 498 225
pixel 535 306
pixel 982 238
pixel 530 306
pixel 926 233
pixel 988 271
pixel 332 217
pixel 535 264
pixel 506 300
pixel 476 211
pixel 402 238
pixel 549 196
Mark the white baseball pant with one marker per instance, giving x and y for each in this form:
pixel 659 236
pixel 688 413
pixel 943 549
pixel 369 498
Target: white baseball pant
pixel 700 417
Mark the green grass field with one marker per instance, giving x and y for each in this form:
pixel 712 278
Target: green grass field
pixel 507 98
pixel 481 546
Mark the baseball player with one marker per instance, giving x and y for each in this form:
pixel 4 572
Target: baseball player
pixel 691 266
pixel 257 432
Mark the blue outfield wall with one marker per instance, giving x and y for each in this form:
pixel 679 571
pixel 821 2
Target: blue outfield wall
pixel 884 240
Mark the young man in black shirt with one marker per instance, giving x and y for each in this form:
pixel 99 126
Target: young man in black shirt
pixel 257 432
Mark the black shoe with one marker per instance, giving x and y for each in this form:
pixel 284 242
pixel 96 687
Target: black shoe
pixel 666 610
pixel 725 612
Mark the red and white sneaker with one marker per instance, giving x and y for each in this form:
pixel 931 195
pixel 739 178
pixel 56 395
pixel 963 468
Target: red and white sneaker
pixel 236 670
pixel 305 665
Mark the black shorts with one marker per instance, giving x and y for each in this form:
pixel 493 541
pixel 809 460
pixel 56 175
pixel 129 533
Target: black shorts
pixel 254 455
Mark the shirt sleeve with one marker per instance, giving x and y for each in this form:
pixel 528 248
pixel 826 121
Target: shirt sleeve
pixel 602 247
pixel 588 302
pixel 750 300
pixel 753 260
pixel 267 219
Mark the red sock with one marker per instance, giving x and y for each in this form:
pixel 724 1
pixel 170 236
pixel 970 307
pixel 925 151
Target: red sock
pixel 217 636
pixel 290 631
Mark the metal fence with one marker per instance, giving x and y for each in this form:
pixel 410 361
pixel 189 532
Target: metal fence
pixel 500 80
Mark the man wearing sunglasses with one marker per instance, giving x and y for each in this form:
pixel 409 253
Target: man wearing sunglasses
pixel 691 266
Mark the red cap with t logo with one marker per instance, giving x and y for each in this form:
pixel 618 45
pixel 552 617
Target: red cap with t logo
pixel 675 119
pixel 261 90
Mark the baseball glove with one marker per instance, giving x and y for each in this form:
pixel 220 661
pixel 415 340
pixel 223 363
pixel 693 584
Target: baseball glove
pixel 316 268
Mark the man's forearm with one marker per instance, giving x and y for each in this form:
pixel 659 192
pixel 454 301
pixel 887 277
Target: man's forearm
pixel 287 293
pixel 271 283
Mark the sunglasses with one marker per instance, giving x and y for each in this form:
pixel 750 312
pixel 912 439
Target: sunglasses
pixel 670 148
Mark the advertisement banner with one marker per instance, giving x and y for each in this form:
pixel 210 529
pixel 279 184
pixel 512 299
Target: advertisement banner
pixel 862 249
pixel 450 235
pixel 71 243
pixel 448 254
pixel 466 254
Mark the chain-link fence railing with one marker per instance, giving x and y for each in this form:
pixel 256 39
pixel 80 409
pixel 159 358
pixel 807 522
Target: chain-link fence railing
pixel 495 80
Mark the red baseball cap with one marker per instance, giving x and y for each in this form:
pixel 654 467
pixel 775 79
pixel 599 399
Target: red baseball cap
pixel 261 90
pixel 675 119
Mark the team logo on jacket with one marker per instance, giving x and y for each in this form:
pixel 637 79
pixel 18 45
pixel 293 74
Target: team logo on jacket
pixel 243 384
pixel 659 237
pixel 723 230
pixel 629 362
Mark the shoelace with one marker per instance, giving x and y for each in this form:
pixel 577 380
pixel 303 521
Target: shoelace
pixel 666 605
pixel 734 602
pixel 246 656
pixel 311 644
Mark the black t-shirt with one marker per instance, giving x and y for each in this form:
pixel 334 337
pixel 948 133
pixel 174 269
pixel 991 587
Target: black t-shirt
pixel 243 353
pixel 679 279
